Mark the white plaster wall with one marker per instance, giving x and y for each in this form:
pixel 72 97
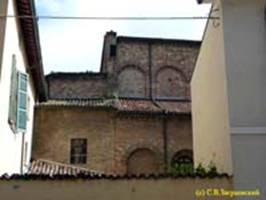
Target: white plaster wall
pixel 244 37
pixel 10 143
pixel 211 137
pixel 245 44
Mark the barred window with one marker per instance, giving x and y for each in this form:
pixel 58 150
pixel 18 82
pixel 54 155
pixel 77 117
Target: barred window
pixel 78 151
pixel 182 157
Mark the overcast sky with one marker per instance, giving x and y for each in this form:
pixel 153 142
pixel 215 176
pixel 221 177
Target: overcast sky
pixel 71 45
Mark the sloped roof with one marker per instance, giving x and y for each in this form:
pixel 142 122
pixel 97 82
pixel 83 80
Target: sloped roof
pixel 73 75
pixel 159 40
pixel 133 105
pixel 30 36
pixel 51 168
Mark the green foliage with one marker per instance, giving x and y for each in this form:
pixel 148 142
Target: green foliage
pixel 184 170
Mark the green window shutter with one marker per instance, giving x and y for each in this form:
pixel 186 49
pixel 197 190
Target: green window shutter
pixel 22 102
pixel 12 115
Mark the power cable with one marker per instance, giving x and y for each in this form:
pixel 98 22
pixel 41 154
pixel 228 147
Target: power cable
pixel 50 17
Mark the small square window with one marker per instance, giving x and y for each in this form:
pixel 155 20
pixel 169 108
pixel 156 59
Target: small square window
pixel 78 151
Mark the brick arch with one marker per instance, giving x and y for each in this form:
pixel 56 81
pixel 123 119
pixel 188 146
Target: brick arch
pixel 142 161
pixel 171 82
pixel 132 81
pixel 134 148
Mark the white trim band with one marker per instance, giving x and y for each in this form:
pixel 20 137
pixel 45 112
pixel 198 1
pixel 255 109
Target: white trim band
pixel 248 130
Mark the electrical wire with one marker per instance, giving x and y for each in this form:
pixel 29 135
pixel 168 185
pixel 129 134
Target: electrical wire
pixel 50 17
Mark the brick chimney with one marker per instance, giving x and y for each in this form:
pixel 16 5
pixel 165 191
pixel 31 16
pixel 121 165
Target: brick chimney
pixel 109 52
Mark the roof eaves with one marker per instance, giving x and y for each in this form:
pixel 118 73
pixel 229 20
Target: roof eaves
pixel 30 36
pixel 158 40
pixel 88 177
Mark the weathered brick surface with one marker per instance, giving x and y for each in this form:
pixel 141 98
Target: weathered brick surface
pixel 111 139
pixel 132 82
pixel 179 135
pixel 54 128
pixel 164 66
pixel 76 85
pixel 141 67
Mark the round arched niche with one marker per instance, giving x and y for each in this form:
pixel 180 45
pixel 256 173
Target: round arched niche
pixel 171 82
pixel 184 156
pixel 131 82
pixel 142 161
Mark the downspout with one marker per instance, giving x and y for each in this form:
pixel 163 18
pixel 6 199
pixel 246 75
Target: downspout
pixel 22 153
pixel 150 73
pixel 165 142
pixel 164 132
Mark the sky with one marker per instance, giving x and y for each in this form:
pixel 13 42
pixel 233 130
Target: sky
pixel 76 45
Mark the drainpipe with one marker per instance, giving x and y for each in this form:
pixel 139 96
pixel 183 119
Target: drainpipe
pixel 22 153
pixel 150 71
pixel 165 142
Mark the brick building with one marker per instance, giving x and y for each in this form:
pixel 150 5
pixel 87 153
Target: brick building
pixel 134 116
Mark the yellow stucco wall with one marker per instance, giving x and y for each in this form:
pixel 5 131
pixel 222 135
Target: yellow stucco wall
pixel 211 136
pixel 141 189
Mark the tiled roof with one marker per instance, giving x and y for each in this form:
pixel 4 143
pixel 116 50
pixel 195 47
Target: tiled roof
pixel 195 43
pixel 88 177
pixel 79 103
pixel 138 105
pixel 30 36
pixel 175 107
pixel 126 105
pixel 73 75
pixel 51 168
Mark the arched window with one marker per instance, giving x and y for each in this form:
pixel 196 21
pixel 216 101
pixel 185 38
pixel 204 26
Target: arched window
pixel 142 161
pixel 131 82
pixel 182 157
pixel 170 83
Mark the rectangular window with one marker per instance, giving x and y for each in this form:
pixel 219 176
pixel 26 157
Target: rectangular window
pixel 78 151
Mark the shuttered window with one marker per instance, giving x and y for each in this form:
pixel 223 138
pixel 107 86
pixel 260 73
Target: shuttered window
pixel 18 99
pixel 22 102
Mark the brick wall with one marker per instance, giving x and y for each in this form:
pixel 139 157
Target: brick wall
pixel 111 139
pixel 141 67
pixel 76 85
pixel 54 128
pixel 162 66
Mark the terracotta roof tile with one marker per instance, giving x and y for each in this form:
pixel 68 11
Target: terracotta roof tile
pixel 126 105
pixel 175 107
pixel 137 105
pixel 51 168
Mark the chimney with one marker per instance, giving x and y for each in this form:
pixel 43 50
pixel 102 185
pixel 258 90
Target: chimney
pixel 109 52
